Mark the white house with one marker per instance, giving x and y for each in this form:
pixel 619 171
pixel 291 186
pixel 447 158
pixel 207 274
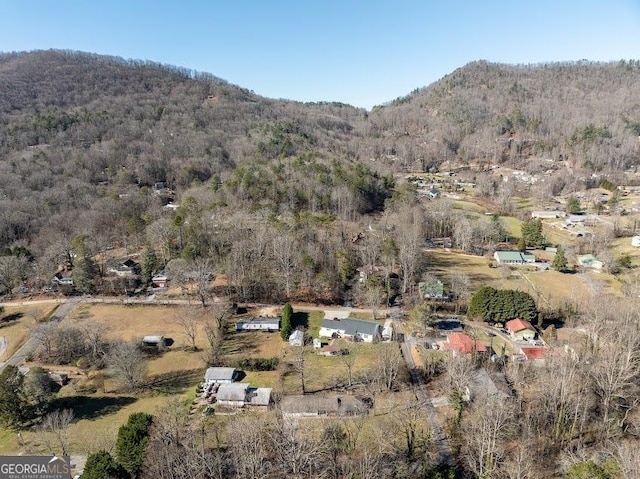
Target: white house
pixel 262 323
pixel 355 329
pixel 635 241
pixel 220 376
pixel 296 338
pixel 548 214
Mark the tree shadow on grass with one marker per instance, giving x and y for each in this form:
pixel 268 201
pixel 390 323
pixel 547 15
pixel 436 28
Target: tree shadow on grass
pixel 301 318
pixel 10 319
pixel 93 407
pixel 176 381
pixel 238 342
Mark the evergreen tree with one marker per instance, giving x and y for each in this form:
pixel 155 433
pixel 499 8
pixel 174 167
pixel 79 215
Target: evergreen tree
pixel 14 410
pixel 285 325
pixel 491 304
pixel 560 261
pixel 100 465
pixel 532 233
pixel 148 265
pixel 132 441
pixel 573 205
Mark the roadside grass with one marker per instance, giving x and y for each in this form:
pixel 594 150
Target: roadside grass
pixel 16 323
pixel 315 322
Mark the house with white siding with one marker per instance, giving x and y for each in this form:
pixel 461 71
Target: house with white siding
pixel 353 329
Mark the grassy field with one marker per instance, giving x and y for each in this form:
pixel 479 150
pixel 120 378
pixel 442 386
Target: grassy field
pixel 323 372
pixel 446 264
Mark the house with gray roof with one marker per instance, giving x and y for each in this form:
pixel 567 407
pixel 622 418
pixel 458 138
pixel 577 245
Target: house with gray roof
pixel 354 329
pixel 242 395
pixel 220 375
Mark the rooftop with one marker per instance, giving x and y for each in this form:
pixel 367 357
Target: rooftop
pixel 220 374
pixel 351 326
pixel 518 324
pixel 464 344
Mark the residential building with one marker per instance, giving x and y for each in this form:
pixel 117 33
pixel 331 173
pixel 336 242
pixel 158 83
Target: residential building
pixel 354 329
pixel 261 323
pixel 520 329
pixel 590 261
pixel 432 290
pixel 220 376
pixel 514 257
pixel 548 214
pixel 461 343
pixel 160 279
pixel 242 395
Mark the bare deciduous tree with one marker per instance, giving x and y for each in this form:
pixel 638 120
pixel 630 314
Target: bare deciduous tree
pixel 128 364
pixel 54 430
pixel 486 426
pixel 189 320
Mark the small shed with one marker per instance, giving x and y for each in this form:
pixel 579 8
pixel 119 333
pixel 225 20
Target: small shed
pixel 153 341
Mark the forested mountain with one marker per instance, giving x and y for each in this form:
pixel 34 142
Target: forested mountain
pixel 88 144
pixel 585 112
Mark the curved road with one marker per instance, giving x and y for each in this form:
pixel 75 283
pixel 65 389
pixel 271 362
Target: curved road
pixel 31 344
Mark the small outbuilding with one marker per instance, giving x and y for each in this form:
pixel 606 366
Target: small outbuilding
pixel 153 341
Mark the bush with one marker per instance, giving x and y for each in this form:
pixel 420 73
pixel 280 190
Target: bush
pixel 257 364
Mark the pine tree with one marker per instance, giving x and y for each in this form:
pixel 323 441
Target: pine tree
pixel 132 441
pixel 101 465
pixel 148 265
pixel 560 261
pixel 285 325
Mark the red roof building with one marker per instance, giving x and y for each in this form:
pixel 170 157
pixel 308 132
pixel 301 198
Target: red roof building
pixel 462 343
pixel 534 353
pixel 520 329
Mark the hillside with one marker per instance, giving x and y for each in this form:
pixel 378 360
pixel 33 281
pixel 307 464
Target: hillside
pixel 586 113
pixel 94 147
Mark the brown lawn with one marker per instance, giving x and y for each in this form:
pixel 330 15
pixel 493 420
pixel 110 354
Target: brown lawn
pixel 131 322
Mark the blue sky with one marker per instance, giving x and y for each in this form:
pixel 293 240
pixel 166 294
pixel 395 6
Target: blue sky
pixel 355 51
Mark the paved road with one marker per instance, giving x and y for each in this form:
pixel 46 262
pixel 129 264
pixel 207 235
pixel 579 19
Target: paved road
pixel 31 344
pixel 440 439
